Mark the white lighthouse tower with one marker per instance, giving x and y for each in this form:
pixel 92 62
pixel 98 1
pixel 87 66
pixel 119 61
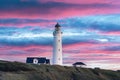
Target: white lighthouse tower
pixel 57 46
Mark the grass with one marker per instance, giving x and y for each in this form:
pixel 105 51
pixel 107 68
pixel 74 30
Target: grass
pixel 14 66
pixel 22 71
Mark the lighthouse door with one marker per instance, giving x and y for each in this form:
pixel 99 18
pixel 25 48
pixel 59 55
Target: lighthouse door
pixel 35 61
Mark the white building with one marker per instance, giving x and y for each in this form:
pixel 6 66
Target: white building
pixel 57 46
pixel 38 60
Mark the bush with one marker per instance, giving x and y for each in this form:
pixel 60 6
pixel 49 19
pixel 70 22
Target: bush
pixel 14 66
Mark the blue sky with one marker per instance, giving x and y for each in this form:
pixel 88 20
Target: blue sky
pixel 91 30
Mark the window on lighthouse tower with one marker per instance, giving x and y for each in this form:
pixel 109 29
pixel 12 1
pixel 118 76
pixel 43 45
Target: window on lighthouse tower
pixel 59 59
pixel 58 40
pixel 59 49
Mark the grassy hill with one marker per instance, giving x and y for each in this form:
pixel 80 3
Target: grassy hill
pixel 21 71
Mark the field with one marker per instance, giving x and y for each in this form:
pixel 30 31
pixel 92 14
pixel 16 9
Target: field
pixel 22 71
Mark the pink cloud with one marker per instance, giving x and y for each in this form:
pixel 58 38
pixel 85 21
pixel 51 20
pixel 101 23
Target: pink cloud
pixel 21 25
pixel 86 45
pixel 85 55
pixel 60 11
pixel 25 51
pixel 114 33
pixel 80 1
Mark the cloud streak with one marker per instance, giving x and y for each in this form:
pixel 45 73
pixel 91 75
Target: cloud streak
pixel 91 31
pixel 37 9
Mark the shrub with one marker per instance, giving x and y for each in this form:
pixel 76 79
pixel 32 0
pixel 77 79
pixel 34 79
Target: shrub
pixel 14 66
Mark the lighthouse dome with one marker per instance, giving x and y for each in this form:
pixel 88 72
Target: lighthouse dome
pixel 57 25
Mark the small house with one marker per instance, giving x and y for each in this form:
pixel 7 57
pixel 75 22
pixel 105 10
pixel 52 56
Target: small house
pixel 37 60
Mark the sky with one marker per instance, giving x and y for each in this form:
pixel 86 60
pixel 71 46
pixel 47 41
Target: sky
pixel 91 30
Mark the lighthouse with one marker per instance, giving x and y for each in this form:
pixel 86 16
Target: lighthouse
pixel 57 46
